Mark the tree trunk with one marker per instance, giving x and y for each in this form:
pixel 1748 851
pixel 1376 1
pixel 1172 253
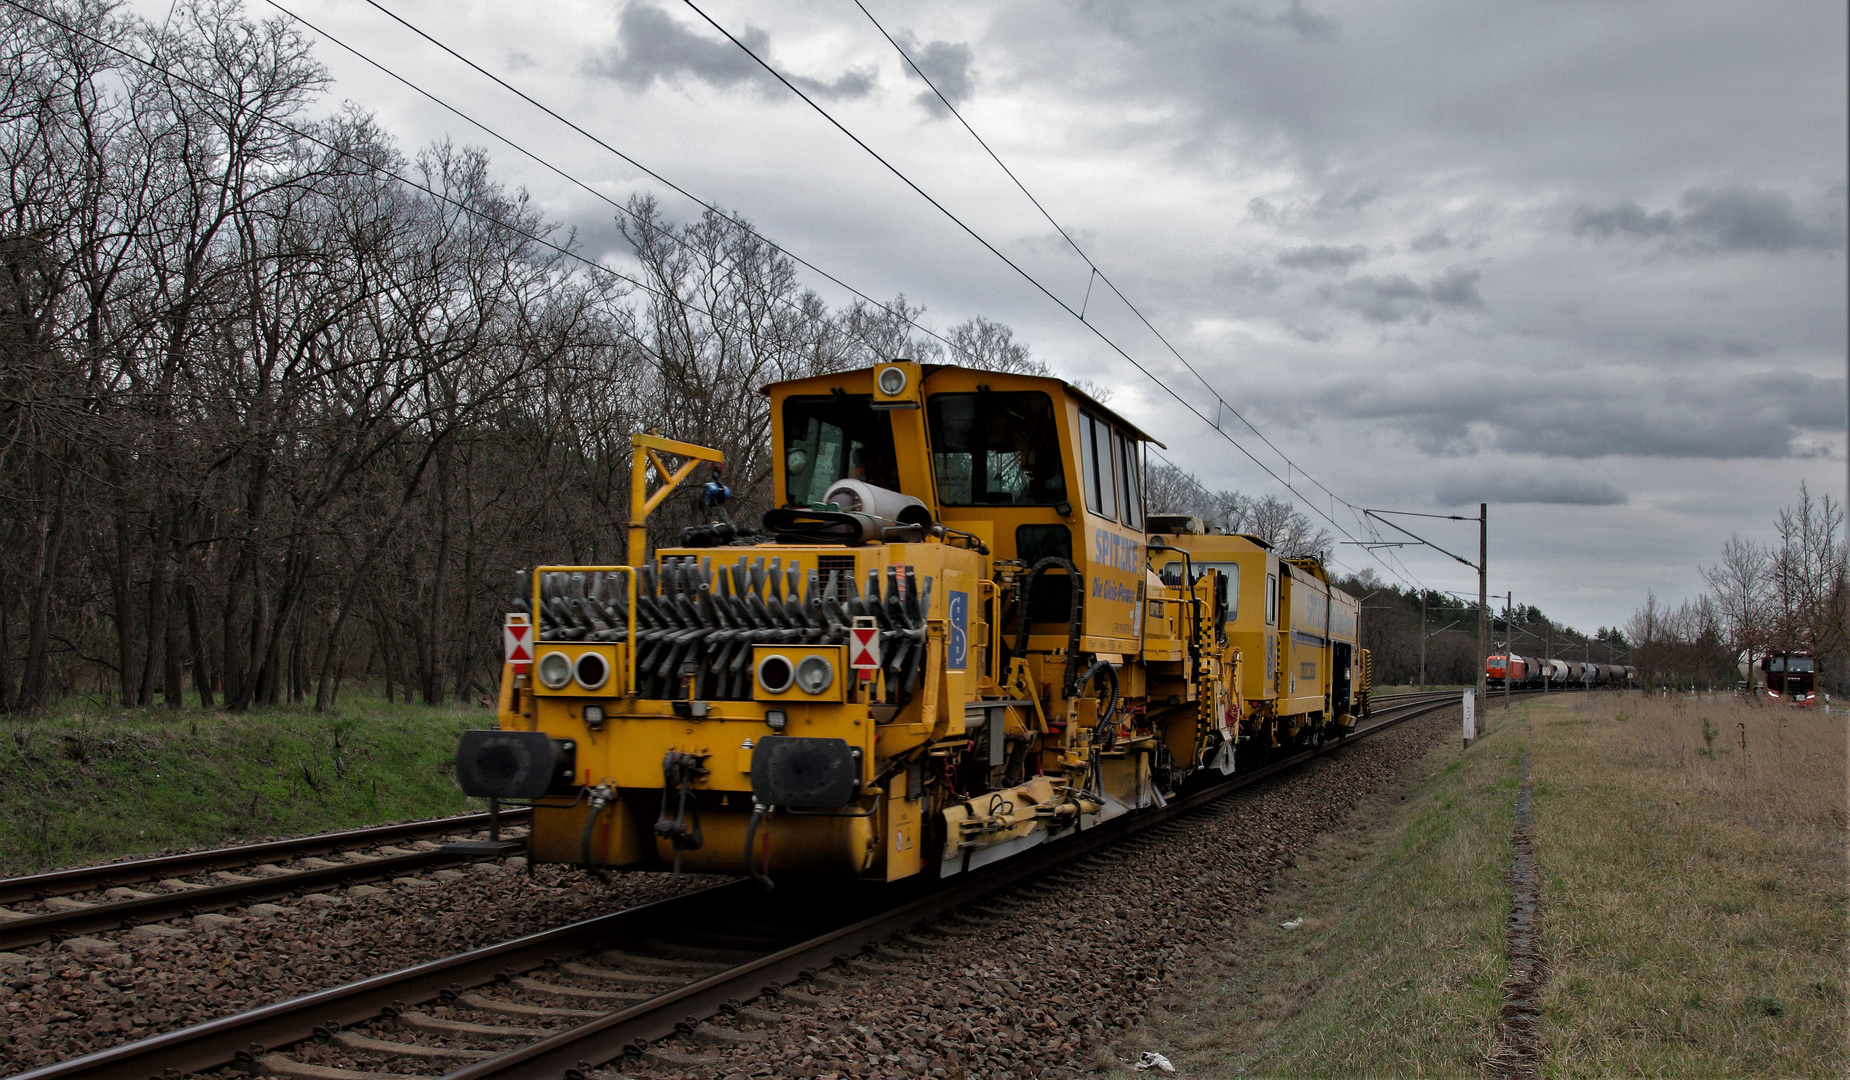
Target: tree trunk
pixel 202 674
pixel 120 588
pixel 34 682
pixel 158 554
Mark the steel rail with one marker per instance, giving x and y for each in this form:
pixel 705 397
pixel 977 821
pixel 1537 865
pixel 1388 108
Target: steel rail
pixel 33 929
pixel 244 1038
pixel 109 875
pixel 231 1039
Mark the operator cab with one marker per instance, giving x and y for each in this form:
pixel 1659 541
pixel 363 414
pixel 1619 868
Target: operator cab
pixel 1026 466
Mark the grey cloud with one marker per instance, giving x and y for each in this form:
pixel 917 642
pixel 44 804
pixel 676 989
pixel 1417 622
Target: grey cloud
pixel 1296 17
pixel 1322 256
pixel 1457 287
pixel 1398 297
pixel 1735 218
pixel 1247 277
pixel 1568 485
pixel 1750 219
pixel 1380 299
pixel 1436 240
pixel 951 67
pixel 1594 413
pixel 652 46
pixel 1627 218
pixel 853 83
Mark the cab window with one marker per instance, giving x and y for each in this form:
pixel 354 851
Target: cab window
pixel 1095 450
pixel 836 437
pixel 1228 570
pixel 1271 599
pixel 1130 497
pixel 996 449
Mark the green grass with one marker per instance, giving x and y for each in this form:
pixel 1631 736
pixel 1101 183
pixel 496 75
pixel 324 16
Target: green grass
pixel 86 785
pixel 1395 969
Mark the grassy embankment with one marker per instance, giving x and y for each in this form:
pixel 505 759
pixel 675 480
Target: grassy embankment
pixel 1394 969
pixel 82 785
pixel 1694 905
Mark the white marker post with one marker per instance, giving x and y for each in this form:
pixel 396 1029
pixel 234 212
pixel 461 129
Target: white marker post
pixel 1470 711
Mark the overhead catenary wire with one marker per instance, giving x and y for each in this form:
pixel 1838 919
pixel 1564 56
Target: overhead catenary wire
pixel 651 173
pixel 599 266
pixel 1091 265
pixel 529 99
pixel 1203 488
pixel 593 191
pixel 375 168
pixel 1017 268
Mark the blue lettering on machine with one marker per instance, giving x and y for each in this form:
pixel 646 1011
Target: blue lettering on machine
pixel 957 649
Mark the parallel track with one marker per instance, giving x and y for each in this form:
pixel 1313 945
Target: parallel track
pixel 671 941
pixel 130 908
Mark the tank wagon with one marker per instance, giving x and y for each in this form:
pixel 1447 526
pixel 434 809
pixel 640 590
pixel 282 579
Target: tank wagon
pixel 1530 673
pixel 957 639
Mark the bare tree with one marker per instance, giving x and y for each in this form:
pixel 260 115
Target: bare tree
pixel 1739 585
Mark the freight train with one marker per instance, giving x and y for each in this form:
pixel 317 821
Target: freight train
pixel 1526 672
pixel 959 637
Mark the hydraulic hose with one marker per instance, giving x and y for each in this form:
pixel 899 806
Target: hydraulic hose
pixel 600 801
pixel 1109 712
pixel 751 836
pixel 1075 615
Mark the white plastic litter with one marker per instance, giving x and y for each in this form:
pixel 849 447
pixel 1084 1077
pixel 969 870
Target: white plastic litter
pixel 1153 1060
pixel 1293 924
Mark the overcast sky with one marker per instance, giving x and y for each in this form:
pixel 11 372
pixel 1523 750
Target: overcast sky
pixel 1583 260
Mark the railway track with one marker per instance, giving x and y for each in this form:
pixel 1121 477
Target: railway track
pixel 557 1002
pixel 113 905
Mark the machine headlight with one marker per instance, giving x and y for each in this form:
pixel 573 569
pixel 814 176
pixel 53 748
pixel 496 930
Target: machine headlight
pixel 815 674
pixel 775 674
pixel 775 719
pixel 892 380
pixel 592 670
pixel 555 670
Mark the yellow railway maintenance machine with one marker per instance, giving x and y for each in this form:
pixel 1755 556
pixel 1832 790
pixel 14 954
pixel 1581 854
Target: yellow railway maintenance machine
pixel 1305 679
pixel 953 647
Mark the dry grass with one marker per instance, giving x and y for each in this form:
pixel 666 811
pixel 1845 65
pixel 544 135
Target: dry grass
pixel 1695 897
pixel 1776 768
pixel 1395 969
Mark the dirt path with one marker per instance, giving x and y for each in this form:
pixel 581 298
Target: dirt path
pixel 1518 1040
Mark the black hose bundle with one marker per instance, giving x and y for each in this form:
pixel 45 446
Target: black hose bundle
pixel 1106 726
pixel 679 771
pixel 1075 615
pixel 751 836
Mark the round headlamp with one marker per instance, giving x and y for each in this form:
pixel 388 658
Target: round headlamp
pixel 554 670
pixel 892 380
pixel 592 670
pixel 775 674
pixel 815 674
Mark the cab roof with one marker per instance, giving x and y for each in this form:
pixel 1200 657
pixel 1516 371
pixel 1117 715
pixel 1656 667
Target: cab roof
pixel 1091 403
